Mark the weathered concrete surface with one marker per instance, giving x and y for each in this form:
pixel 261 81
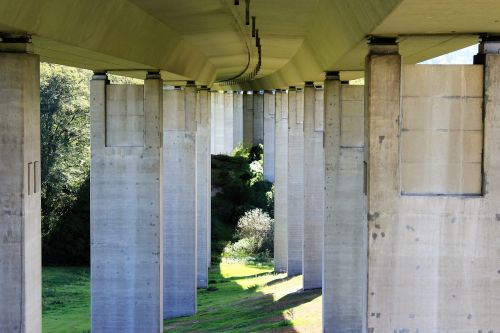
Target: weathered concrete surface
pixel 20 235
pixel 345 236
pixel 218 123
pixel 314 180
pixel 179 202
pixel 237 118
pixel 247 119
pixel 228 123
pixel 258 118
pixel 203 187
pixel 295 220
pixel 281 183
pixel 125 208
pixel 269 135
pixel 433 260
pixel 442 130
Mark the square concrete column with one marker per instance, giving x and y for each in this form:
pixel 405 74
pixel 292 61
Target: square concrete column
pixel 237 118
pixel 248 119
pixel 269 128
pixel 212 121
pixel 228 123
pixel 295 202
pixel 125 206
pixel 345 235
pixel 258 118
pixel 20 235
pixel 179 202
pixel 281 183
pixel 219 122
pixel 203 188
pixel 314 183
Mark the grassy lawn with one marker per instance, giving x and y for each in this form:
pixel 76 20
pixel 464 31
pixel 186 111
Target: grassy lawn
pixel 240 298
pixel 66 299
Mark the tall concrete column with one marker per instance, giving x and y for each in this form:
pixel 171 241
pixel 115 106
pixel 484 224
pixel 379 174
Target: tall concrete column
pixel 179 202
pixel 228 122
pixel 314 183
pixel 345 236
pixel 247 119
pixel 281 182
pixel 20 235
pixel 219 122
pixel 269 135
pixel 295 220
pixel 125 206
pixel 258 118
pixel 203 188
pixel 237 118
pixel 212 121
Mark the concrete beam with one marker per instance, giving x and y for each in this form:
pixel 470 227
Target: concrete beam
pixel 20 234
pixel 295 219
pixel 179 202
pixel 125 206
pixel 313 187
pixel 269 135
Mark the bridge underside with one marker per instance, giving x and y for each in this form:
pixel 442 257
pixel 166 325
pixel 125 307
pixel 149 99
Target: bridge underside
pixel 387 195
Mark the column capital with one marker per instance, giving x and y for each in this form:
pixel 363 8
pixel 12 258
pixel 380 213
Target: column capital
pixel 15 43
pixel 153 75
pixel 100 76
pixel 309 84
pixel 489 45
pixel 333 75
pixel 383 45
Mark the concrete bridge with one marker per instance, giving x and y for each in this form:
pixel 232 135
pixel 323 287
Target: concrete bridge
pixel 387 194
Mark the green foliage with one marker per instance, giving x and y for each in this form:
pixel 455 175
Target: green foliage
pixel 239 184
pixel 255 231
pixel 65 150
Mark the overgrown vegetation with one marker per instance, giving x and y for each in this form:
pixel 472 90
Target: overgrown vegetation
pixel 238 183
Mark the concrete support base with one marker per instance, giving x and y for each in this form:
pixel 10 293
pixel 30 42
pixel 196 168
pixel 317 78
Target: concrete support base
pixel 203 190
pixel 125 206
pixel 313 188
pixel 294 248
pixel 179 202
pixel 281 183
pixel 20 235
pixel 269 135
pixel 345 235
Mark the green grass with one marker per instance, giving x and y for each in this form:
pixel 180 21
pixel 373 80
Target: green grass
pixel 241 298
pixel 250 298
pixel 66 299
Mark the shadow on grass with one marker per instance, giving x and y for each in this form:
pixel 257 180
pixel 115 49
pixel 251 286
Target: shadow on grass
pixel 241 307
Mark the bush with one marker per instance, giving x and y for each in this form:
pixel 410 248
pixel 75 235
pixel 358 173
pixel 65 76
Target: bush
pixel 255 232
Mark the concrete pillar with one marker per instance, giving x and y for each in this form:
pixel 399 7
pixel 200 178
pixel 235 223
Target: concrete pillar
pixel 281 182
pixel 258 118
pixel 228 123
pixel 295 220
pixel 203 188
pixel 125 206
pixel 219 122
pixel 20 248
pixel 248 119
pixel 313 187
pixel 345 235
pixel 237 118
pixel 269 135
pixel 212 121
pixel 179 202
